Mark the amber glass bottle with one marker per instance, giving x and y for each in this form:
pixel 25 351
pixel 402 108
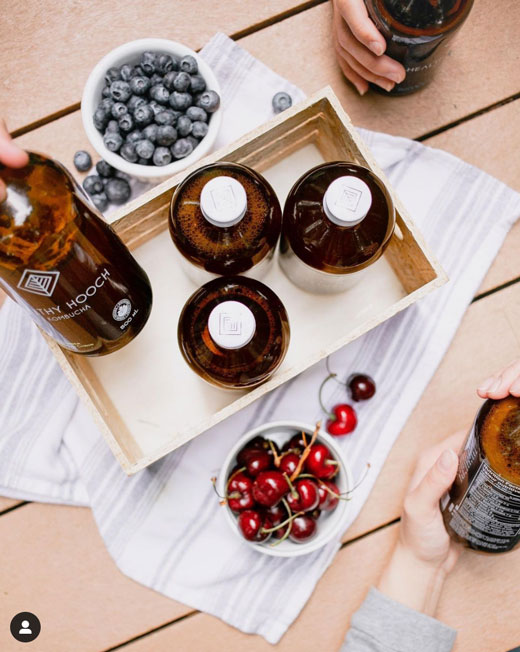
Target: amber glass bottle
pixel 416 34
pixel 482 509
pixel 225 219
pixel 65 265
pixel 234 332
pixel 338 220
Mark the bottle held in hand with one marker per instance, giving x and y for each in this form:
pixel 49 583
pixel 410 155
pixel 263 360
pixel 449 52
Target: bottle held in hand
pixel 61 262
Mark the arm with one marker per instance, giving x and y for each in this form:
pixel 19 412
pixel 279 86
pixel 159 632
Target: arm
pixel 10 154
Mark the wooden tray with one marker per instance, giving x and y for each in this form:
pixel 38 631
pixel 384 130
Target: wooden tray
pixel 143 396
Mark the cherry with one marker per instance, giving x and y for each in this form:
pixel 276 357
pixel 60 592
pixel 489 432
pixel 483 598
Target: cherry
pixel 257 443
pixel 343 420
pixel 257 460
pixel 315 514
pixel 361 387
pixel 269 488
pixel 328 502
pixel 251 524
pixel 320 462
pixel 289 462
pixel 278 534
pixel 275 514
pixel 306 497
pixel 303 528
pixel 239 492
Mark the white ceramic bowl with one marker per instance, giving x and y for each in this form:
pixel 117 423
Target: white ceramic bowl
pixel 131 53
pixel 330 524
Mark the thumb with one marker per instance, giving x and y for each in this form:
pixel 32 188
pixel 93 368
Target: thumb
pixel 424 499
pixel 10 154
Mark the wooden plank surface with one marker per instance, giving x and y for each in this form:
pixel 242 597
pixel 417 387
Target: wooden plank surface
pixel 7 503
pixel 53 46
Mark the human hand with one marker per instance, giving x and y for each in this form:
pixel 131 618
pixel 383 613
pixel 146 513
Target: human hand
pixel 360 46
pixel 503 383
pixel 10 154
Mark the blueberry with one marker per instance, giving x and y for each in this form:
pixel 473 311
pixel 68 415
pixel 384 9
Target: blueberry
pixel 148 62
pixel 93 184
pixel 122 175
pixel 100 201
pixel 138 71
pixel 181 82
pixel 112 74
pixel 164 63
pixel 112 126
pixel 199 129
pixel 128 152
pixel 139 85
pixel 118 109
pixel 156 108
pixel 100 118
pixel 82 160
pixel 166 135
pixel 144 148
pixel 104 169
pixel 209 101
pixel 134 102
pixel 168 80
pixel 156 79
pixel 144 161
pixel 194 142
pixel 196 114
pixel 120 91
pixel 106 103
pixel 180 101
pixel 112 140
pixel 183 125
pixel 162 156
pixel 281 101
pixel 189 64
pixel 127 72
pixel 118 191
pixel 134 136
pixel 166 117
pixel 159 94
pixel 182 148
pixel 126 123
pixel 143 115
pixel 197 84
pixel 150 133
pixel 106 91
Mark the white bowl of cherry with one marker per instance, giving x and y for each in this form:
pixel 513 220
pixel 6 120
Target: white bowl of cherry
pixel 285 488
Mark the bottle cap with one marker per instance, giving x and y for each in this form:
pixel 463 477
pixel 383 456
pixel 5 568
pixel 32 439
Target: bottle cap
pixel 231 325
pixel 223 201
pixel 347 201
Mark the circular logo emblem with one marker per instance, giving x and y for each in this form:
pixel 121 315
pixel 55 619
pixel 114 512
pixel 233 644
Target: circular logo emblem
pixel 121 310
pixel 25 627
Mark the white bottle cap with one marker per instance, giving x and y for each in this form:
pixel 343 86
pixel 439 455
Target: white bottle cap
pixel 223 201
pixel 347 201
pixel 231 325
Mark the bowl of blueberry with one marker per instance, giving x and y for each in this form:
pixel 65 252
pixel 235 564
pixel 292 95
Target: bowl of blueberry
pixel 151 108
pixel 285 488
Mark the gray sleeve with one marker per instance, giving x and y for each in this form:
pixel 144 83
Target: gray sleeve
pixel 384 625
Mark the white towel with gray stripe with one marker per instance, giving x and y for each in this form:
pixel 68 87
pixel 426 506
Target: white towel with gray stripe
pixel 163 527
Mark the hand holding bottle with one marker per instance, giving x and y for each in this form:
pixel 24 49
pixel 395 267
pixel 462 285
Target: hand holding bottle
pixel 10 154
pixel 502 383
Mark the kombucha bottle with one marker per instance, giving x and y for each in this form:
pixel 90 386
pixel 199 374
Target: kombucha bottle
pixel 61 262
pixel 225 219
pixel 234 332
pixel 417 33
pixel 482 508
pixel 338 220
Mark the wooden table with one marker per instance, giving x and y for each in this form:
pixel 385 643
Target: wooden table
pixel 53 560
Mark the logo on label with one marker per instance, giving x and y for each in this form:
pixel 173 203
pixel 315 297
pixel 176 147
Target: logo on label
pixel 229 326
pixel 121 310
pixel 43 283
pixel 349 198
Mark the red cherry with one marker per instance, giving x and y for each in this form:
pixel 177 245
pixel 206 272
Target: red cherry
pixel 257 460
pixel 289 462
pixel 344 421
pixel 269 488
pixel 251 524
pixel 296 443
pixel 306 498
pixel 320 462
pixel 328 502
pixel 361 387
pixel 302 529
pixel 240 492
pixel 276 514
pixel 257 443
pixel 278 534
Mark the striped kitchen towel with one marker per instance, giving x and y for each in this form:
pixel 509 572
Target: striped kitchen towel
pixel 163 527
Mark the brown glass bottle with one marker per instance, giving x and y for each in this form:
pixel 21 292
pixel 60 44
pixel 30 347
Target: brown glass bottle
pixel 225 219
pixel 482 508
pixel 61 262
pixel 416 33
pixel 234 332
pixel 337 221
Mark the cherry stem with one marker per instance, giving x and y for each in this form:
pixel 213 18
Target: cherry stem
pixel 331 373
pixel 304 437
pixel 240 470
pixel 305 453
pixel 360 482
pixel 277 458
pixel 331 416
pixel 287 520
pixel 294 493
pixel 332 462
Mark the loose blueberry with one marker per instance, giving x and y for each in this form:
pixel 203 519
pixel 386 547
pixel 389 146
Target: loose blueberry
pixel 139 85
pixel 104 169
pixel 134 102
pixel 166 117
pixel 127 72
pixel 197 84
pixel 195 113
pixel 160 94
pixel 182 148
pixel 118 109
pixel 100 201
pixel 126 123
pixel 181 82
pixel 112 126
pixel 134 136
pixel 118 191
pixel 128 152
pixel 162 156
pixel 183 125
pixel 150 133
pixel 281 101
pixel 82 160
pixel 164 63
pixel 112 140
pixel 120 91
pixel 93 184
pixel 209 101
pixel 166 135
pixel 144 148
pixel 100 118
pixel 112 75
pixel 123 175
pixel 180 101
pixel 199 129
pixel 148 61
pixel 143 115
pixel 189 64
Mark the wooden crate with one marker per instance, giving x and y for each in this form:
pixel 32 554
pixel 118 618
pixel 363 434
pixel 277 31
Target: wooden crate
pixel 144 398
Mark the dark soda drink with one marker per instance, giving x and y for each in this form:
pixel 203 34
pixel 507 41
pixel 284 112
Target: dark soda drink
pixel 61 262
pixel 416 34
